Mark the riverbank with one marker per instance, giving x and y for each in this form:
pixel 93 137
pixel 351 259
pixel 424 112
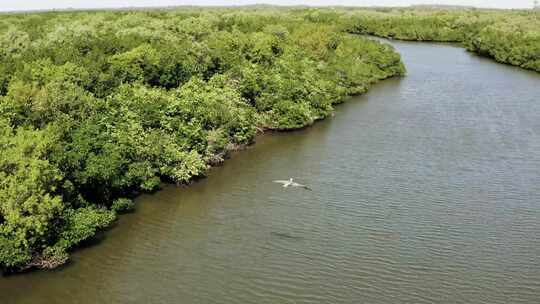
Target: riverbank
pixel 424 191
pixel 510 37
pixel 98 107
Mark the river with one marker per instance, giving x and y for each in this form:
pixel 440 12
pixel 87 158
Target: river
pixel 425 190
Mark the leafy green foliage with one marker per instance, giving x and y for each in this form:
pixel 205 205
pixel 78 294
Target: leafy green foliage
pixel 99 106
pixel 29 200
pixel 81 224
pixel 511 37
pixel 516 42
pixel 122 205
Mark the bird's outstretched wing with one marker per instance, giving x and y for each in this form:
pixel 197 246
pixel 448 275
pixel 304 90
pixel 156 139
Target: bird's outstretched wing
pixel 281 181
pixel 302 186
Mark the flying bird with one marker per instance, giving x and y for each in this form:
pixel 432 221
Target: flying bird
pixel 291 183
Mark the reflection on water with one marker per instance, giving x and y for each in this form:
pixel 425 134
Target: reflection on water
pixel 425 190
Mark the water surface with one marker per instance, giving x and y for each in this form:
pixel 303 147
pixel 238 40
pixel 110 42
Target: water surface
pixel 426 190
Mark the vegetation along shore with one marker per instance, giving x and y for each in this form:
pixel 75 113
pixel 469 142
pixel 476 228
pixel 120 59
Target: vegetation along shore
pixel 98 106
pixel 508 36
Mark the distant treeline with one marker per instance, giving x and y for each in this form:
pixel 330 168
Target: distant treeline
pixel 511 37
pixel 96 107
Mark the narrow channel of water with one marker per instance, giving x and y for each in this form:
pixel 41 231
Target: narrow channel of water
pixel 425 190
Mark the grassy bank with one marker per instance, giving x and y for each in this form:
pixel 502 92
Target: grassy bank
pixel 96 107
pixel 511 37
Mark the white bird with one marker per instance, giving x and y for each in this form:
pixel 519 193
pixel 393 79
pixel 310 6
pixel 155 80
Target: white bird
pixel 291 183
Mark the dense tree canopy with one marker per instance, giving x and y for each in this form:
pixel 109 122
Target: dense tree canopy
pixel 98 106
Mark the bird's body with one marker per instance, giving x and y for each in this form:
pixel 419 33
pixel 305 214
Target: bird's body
pixel 291 183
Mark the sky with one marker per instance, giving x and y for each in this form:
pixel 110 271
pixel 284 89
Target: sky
pixel 10 5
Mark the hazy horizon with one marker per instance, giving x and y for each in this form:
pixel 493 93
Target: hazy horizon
pixel 12 5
